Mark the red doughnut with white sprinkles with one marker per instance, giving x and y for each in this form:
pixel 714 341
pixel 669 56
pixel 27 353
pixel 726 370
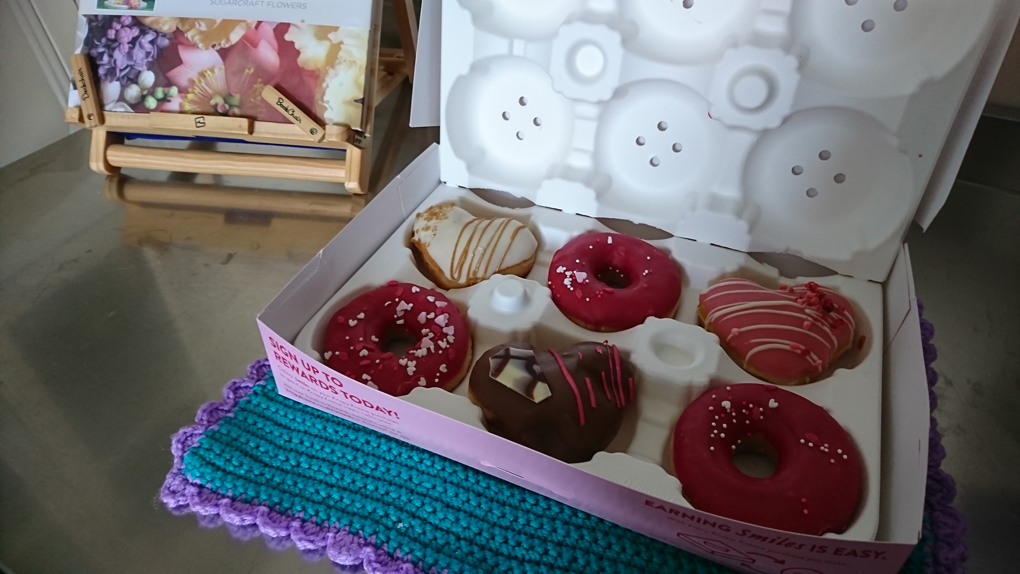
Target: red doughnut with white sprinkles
pixel 817 483
pixel 359 333
pixel 611 282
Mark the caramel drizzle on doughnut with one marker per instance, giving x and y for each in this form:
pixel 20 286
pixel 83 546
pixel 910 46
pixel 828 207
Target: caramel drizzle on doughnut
pixel 827 321
pixel 615 380
pixel 468 257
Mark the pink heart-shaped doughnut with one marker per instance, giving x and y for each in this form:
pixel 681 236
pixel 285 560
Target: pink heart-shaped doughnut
pixel 788 336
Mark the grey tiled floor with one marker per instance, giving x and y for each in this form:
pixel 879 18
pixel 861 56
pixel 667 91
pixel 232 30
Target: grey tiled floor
pixel 117 321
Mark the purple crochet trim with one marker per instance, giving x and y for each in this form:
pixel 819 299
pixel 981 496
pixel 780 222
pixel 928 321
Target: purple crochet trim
pixel 947 525
pixel 348 551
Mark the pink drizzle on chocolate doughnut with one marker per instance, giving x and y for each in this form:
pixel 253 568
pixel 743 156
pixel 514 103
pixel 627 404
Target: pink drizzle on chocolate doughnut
pixel 573 385
pixel 615 376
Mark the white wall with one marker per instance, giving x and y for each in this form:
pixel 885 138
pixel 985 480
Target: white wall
pixel 36 40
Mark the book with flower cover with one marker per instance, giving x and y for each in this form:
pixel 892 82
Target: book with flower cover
pixel 214 57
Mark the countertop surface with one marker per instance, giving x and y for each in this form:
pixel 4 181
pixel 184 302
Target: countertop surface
pixel 119 319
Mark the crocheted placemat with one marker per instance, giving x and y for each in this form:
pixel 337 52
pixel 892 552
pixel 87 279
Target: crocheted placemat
pixel 261 464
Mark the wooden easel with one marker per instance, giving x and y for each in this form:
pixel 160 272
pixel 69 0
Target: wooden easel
pixel 387 69
pixel 264 223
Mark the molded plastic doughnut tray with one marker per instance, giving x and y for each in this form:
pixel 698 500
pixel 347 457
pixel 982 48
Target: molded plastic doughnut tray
pixel 675 359
pixel 801 126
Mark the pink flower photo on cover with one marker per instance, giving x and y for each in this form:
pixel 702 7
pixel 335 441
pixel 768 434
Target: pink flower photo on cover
pixel 209 66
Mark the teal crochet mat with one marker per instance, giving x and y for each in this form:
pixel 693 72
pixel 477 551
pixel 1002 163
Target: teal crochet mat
pixel 264 464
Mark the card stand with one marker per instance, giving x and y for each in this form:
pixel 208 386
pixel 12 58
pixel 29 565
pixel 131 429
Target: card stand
pixel 388 68
pixel 675 359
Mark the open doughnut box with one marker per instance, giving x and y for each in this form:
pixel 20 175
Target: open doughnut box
pixel 781 141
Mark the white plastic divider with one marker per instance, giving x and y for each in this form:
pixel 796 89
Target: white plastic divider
pixel 675 359
pixel 800 126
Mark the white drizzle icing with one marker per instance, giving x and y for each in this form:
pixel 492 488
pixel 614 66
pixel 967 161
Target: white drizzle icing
pixel 783 328
pixel 714 316
pixel 780 345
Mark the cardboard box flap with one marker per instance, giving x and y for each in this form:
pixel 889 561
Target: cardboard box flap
pixel 803 128
pixel 948 165
pixel 906 414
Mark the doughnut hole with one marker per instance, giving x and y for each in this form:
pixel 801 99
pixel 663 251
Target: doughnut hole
pixel 613 277
pixel 755 457
pixel 397 341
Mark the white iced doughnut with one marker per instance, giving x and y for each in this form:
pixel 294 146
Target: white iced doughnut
pixel 460 249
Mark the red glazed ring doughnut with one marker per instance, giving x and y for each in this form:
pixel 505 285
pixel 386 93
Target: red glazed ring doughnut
pixel 610 282
pixel 817 483
pixel 359 333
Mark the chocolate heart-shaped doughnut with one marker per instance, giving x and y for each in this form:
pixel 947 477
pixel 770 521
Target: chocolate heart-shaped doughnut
pixel 786 337
pixel 567 404
pixel 459 249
